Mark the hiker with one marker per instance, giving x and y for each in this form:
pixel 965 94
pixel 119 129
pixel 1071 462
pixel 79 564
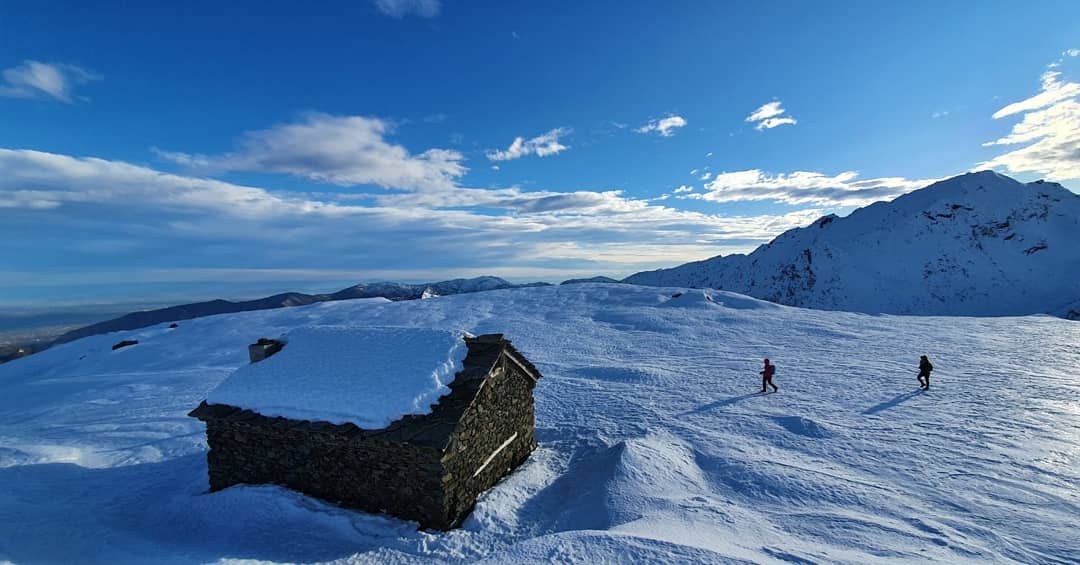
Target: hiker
pixel 766 377
pixel 924 372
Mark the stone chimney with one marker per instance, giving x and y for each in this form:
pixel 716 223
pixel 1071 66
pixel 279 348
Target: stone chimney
pixel 264 348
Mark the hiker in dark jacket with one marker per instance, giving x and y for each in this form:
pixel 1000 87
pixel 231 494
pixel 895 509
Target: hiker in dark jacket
pixel 766 377
pixel 924 372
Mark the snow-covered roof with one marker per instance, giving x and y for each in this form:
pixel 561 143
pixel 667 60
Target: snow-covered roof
pixel 366 376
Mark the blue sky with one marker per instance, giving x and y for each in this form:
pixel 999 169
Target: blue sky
pixel 227 149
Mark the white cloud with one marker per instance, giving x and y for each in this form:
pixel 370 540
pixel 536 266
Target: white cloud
pixel 402 8
pixel 1053 90
pixel 1071 53
pixel 939 114
pixel 768 110
pixel 1049 132
pixel 706 176
pixel 770 115
pixel 36 179
pixel 123 215
pixel 33 79
pixel 770 123
pixel 683 188
pixel 341 150
pixel 542 146
pixel 804 187
pixel 664 126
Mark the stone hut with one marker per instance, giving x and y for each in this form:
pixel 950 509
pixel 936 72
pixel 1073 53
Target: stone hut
pixel 428 467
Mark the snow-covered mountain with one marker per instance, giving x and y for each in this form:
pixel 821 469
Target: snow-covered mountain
pixel 655 445
pixel 598 279
pixel 389 290
pixel 978 244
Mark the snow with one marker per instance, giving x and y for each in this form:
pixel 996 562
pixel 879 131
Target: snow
pixel 980 244
pixel 339 374
pixel 654 444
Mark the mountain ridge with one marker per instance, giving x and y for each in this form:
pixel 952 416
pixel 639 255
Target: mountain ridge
pixel 978 244
pixel 389 290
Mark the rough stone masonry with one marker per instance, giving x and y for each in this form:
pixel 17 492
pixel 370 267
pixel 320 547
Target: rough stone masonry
pixel 428 468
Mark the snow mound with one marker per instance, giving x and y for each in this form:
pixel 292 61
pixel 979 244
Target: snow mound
pixel 366 376
pixel 802 426
pixel 690 299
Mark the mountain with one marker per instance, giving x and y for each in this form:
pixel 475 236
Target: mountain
pixel 401 291
pixel 389 290
pixel 600 279
pixel 655 444
pixel 980 244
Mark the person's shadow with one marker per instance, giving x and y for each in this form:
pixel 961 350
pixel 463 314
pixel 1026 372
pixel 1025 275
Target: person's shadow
pixel 893 402
pixel 720 403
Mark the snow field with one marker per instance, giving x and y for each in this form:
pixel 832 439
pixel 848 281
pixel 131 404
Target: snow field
pixel 654 444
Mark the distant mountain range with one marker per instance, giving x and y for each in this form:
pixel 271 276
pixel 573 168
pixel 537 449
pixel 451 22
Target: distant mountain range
pixel 389 290
pixel 980 244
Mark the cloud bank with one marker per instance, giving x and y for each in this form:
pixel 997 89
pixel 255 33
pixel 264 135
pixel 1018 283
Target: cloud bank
pixel 102 216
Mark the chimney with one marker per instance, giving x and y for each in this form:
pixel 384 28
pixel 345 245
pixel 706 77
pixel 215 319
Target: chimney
pixel 264 348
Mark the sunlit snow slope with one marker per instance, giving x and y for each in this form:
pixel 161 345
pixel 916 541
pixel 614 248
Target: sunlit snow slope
pixel 980 244
pixel 654 443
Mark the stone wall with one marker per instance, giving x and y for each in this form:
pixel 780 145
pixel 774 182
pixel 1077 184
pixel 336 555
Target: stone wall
pixel 331 464
pixel 502 408
pixel 428 468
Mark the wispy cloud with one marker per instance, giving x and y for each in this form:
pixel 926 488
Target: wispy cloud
pixel 770 115
pixel 805 187
pixel 34 79
pixel 1053 90
pixel 542 146
pixel 665 126
pixel 1049 132
pixel 402 8
pixel 1064 55
pixel 341 150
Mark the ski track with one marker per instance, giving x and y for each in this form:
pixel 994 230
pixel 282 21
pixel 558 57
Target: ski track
pixel 654 442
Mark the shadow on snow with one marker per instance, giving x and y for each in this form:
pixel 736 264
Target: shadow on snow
pixel 65 513
pixel 720 403
pixel 893 402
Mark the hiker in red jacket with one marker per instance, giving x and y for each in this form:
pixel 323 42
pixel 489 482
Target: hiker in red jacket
pixel 766 377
